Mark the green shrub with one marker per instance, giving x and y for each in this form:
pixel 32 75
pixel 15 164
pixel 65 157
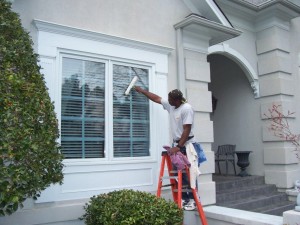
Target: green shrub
pixel 29 153
pixel 128 207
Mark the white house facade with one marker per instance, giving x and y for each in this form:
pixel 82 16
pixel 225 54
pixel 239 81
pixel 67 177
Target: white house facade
pixel 244 53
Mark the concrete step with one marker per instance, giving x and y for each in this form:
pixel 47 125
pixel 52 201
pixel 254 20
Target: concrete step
pixel 245 192
pixel 276 209
pixel 256 201
pixel 235 182
pixel 251 194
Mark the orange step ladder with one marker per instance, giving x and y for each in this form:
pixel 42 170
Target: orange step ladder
pixel 176 185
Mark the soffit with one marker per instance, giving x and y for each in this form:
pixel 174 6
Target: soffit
pixel 209 10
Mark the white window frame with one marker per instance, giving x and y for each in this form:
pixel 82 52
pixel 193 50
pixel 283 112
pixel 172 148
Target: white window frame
pixel 109 62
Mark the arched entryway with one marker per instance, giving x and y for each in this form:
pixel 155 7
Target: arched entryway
pixel 237 113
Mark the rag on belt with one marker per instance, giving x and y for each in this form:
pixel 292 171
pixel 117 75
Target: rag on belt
pixel 193 159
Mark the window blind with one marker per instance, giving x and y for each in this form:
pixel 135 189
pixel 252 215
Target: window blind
pixel 82 108
pixel 131 131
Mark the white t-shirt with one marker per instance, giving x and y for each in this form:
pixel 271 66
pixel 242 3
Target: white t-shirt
pixel 184 114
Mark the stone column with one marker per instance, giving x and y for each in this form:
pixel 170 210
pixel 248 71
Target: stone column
pixel 276 88
pixel 193 78
pixel 194 35
pixel 197 77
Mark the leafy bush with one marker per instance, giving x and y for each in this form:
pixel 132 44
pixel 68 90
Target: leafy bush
pixel 131 208
pixel 29 153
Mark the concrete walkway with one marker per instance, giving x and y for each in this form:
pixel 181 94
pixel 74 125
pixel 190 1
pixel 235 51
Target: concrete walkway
pixel 217 215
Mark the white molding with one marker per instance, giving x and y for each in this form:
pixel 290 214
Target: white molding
pixel 213 31
pixel 91 35
pixel 194 19
pixel 285 3
pixel 255 87
pixel 267 14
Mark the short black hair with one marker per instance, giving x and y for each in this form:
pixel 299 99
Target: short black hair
pixel 177 95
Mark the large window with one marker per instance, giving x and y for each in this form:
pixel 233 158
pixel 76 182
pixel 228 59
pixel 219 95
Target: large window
pixel 83 104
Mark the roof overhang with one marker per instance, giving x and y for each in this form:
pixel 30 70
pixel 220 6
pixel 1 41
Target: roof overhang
pixel 285 9
pixel 208 9
pixel 257 7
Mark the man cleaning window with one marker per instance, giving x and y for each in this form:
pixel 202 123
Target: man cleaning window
pixel 182 118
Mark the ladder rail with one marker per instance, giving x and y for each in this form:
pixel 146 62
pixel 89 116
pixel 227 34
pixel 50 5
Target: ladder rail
pixel 161 173
pixel 199 207
pixel 176 185
pixel 179 192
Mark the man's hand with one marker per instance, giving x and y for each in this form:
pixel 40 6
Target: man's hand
pixel 174 150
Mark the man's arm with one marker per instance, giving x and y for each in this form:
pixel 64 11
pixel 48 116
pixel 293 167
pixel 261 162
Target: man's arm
pixel 153 97
pixel 185 134
pixel 184 137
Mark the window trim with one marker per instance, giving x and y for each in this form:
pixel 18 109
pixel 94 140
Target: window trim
pixel 109 62
pixel 53 39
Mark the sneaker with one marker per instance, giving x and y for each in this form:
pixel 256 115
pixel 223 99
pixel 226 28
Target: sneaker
pixel 184 202
pixel 191 205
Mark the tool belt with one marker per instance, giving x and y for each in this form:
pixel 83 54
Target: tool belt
pixel 177 141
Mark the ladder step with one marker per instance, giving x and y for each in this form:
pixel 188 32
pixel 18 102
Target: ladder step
pixel 175 171
pixel 184 190
pixel 168 185
pixel 169 177
pixel 174 184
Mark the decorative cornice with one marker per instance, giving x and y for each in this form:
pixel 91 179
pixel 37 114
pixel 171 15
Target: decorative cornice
pixel 267 4
pixel 291 10
pixel 216 32
pixel 267 14
pixel 91 35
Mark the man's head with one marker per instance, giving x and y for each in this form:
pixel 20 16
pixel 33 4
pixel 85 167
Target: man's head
pixel 176 98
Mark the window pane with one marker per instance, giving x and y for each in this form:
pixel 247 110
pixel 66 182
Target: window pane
pixel 130 113
pixel 82 115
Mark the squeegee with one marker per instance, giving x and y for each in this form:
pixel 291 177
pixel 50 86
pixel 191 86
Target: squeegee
pixel 130 86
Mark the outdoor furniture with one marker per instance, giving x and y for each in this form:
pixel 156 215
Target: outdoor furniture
pixel 225 153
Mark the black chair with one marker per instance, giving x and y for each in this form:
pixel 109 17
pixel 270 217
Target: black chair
pixel 225 153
